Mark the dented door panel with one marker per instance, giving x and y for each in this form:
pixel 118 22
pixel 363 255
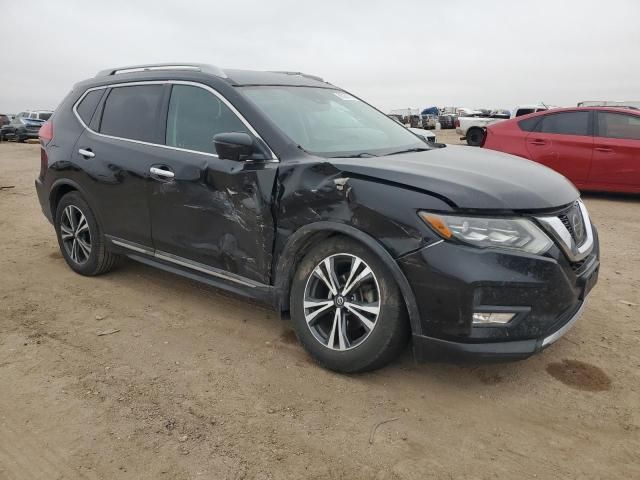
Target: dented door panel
pixel 215 212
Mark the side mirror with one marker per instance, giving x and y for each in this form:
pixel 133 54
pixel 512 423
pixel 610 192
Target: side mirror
pixel 238 146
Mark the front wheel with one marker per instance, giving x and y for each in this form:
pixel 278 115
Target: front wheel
pixel 475 137
pixel 346 308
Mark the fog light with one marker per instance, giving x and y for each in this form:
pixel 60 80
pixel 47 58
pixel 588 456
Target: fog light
pixel 486 318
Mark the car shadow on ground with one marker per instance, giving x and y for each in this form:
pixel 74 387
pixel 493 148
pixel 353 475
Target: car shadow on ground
pixel 458 374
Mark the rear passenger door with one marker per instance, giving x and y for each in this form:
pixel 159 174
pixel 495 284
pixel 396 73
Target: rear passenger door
pixel 563 141
pixel 616 157
pixel 114 154
pixel 209 214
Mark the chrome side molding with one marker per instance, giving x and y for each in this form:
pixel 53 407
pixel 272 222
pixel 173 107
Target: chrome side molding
pixel 185 262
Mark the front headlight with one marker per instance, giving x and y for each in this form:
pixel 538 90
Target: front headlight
pixel 513 233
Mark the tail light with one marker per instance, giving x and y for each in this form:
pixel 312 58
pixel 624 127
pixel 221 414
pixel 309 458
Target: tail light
pixel 46 132
pixel 457 123
pixel 44 162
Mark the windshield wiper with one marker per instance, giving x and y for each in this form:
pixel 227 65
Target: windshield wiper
pixel 409 150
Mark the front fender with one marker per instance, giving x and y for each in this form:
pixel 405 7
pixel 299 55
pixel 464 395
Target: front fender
pixel 299 243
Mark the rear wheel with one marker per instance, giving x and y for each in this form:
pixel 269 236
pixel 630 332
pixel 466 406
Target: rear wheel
pixel 346 308
pixel 80 238
pixel 475 137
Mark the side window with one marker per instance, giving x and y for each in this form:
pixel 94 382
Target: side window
pixel 87 106
pixel 530 124
pixel 524 111
pixel 618 125
pixel 566 123
pixel 132 112
pixel 195 116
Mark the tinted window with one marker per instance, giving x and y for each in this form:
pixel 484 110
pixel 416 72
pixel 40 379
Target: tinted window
pixel 44 116
pixel 567 123
pixel 195 116
pixel 132 112
pixel 524 111
pixel 88 105
pixel 618 125
pixel 529 125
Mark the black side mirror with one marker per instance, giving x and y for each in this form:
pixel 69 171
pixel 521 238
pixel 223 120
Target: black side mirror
pixel 238 146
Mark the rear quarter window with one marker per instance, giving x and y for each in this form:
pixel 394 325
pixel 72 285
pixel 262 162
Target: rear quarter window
pixel 87 107
pixel 530 124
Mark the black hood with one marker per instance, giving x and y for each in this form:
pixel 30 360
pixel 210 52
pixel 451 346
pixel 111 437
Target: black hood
pixel 470 178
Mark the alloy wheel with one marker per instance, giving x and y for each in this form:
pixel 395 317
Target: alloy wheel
pixel 341 301
pixel 75 233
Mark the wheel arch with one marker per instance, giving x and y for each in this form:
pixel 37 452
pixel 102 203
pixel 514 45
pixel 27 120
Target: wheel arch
pixel 60 188
pixel 306 237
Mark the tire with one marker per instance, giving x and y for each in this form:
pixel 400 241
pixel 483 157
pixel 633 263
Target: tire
pixel 74 235
pixel 365 344
pixel 475 136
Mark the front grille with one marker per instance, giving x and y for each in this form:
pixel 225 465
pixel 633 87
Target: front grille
pixel 577 266
pixel 574 223
pixel 583 265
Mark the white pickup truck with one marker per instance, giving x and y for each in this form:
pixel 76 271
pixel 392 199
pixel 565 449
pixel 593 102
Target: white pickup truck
pixel 473 128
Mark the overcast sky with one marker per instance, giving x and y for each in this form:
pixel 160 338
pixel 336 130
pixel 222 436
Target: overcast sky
pixel 393 53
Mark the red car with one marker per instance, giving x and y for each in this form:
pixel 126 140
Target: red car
pixel 597 148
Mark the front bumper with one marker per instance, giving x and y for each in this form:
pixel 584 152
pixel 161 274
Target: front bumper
pixel 451 282
pixel 429 348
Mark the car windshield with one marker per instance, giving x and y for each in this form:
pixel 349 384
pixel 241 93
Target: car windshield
pixel 332 123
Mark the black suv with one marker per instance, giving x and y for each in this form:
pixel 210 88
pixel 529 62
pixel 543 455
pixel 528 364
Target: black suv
pixel 284 188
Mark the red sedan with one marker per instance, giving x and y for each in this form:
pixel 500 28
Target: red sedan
pixel 597 148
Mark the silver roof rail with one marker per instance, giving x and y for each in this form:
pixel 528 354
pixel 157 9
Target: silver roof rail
pixel 313 77
pixel 196 67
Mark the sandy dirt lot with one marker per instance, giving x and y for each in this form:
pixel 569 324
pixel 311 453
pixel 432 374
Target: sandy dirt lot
pixel 196 384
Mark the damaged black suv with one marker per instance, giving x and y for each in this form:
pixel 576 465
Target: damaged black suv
pixel 284 188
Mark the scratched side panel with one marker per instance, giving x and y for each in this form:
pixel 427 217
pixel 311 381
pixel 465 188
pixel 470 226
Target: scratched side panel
pixel 314 190
pixel 216 212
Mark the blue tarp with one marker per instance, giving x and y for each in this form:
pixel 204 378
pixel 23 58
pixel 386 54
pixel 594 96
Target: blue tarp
pixel 430 111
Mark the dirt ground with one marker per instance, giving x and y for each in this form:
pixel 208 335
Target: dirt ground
pixel 196 384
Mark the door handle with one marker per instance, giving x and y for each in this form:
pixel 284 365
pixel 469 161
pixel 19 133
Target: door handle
pixel 538 142
pixel 603 149
pixel 161 172
pixel 86 153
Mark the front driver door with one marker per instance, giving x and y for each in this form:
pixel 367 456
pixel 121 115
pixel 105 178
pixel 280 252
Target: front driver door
pixel 563 141
pixel 208 212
